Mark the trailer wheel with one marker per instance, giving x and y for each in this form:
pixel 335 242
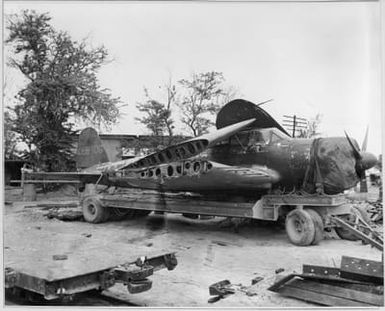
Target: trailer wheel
pixel 351 218
pixel 94 211
pixel 318 226
pixel 300 227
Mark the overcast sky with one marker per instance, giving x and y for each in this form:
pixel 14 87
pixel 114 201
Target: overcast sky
pixel 309 57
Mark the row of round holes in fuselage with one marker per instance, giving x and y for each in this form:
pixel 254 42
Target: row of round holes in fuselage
pixel 173 170
pixel 172 154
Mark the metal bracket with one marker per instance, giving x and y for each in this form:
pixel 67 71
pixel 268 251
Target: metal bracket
pixel 126 274
pixel 170 261
pixel 10 278
pixel 107 279
pixel 139 286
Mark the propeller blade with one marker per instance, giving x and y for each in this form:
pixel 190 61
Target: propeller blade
pixel 266 101
pixel 356 151
pixel 365 142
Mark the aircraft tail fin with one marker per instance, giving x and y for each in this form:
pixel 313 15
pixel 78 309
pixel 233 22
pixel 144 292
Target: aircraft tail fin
pixel 90 150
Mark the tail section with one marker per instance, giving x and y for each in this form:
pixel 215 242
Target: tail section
pixel 90 150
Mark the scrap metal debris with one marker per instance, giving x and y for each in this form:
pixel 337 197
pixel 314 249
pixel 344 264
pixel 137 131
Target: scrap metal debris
pixel 66 214
pixel 362 228
pixel 225 288
pixel 358 282
pixel 59 257
pixel 376 212
pixel 220 290
pixel 256 280
pixel 279 270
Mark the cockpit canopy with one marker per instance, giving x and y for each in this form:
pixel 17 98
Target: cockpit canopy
pixel 266 136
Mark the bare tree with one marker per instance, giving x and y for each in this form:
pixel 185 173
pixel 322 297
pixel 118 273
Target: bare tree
pixel 311 129
pixel 200 99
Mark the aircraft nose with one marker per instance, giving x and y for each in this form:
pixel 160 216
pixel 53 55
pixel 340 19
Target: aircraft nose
pixel 368 160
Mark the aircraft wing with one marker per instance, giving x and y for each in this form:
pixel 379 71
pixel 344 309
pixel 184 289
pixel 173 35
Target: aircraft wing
pixel 111 166
pixel 189 148
pixel 178 152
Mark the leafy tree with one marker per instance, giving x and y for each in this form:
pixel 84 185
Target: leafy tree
pixel 155 112
pixel 10 139
pixel 200 100
pixel 157 116
pixel 62 86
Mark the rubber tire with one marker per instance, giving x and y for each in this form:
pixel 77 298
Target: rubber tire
pixel 300 227
pixel 94 211
pixel 345 234
pixel 318 225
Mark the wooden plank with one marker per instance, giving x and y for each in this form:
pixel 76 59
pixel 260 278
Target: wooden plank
pixel 362 269
pixel 315 200
pixel 318 298
pixel 340 292
pixel 359 286
pixel 292 290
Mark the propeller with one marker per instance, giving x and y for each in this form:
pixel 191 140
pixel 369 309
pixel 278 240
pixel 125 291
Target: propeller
pixel 363 182
pixel 365 142
pixel 356 151
pixel 364 160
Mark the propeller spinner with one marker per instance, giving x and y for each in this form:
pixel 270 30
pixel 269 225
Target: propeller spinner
pixel 364 160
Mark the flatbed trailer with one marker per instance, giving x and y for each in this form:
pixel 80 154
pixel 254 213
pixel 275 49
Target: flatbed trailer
pixel 54 264
pixel 306 216
pixel 60 280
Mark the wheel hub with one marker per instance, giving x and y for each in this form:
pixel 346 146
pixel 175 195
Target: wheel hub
pixel 298 226
pixel 92 209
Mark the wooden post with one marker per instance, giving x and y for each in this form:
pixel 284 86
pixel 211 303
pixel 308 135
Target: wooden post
pixel 294 124
pixel 29 190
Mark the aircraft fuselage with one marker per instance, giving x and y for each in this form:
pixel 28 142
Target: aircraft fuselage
pixel 267 147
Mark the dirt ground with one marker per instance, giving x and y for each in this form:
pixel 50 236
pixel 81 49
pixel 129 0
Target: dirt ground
pixel 207 252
